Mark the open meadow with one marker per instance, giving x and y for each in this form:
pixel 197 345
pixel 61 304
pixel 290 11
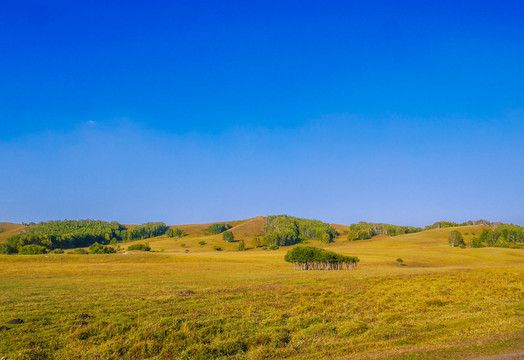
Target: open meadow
pixel 185 300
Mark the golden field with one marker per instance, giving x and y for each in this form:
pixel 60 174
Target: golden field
pixel 187 301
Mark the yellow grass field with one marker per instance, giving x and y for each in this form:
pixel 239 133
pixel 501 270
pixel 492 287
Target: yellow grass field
pixel 189 301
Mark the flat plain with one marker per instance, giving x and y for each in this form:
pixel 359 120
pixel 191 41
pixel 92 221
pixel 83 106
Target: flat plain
pixel 185 300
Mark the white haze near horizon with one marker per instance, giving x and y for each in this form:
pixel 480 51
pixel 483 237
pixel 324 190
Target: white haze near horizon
pixel 339 169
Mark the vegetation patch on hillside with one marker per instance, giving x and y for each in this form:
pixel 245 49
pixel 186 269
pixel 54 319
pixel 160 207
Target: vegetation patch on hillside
pixel 312 258
pixel 66 234
pixel 283 230
pixel 365 230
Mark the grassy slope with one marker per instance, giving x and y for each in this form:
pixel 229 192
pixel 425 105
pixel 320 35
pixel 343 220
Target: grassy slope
pixel 446 303
pixel 10 230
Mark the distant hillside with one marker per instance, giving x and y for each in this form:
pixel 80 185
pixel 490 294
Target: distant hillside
pixel 10 229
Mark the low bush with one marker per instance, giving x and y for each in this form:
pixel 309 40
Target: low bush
pixel 32 250
pixel 139 247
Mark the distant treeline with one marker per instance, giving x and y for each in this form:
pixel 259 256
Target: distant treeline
pixel 67 234
pixel 499 235
pixel 447 224
pixel 364 230
pixel 312 258
pixel 283 230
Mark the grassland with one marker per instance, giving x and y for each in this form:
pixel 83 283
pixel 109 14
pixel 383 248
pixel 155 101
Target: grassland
pixel 446 303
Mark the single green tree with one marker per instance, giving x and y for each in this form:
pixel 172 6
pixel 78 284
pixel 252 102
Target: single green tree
pixel 455 239
pixel 256 242
pixel 241 246
pixel 228 236
pixel 352 235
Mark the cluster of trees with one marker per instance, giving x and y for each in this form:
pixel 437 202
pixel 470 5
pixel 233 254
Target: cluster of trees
pixel 175 233
pixel 283 230
pixel 97 248
pixel 447 224
pixel 146 231
pixel 364 230
pixel 66 234
pixel 499 235
pixel 312 258
pixel 218 228
pixel 502 235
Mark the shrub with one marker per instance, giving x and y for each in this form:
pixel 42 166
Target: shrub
pixel 139 247
pixel 218 228
pixel 241 246
pixel 202 243
pixel 57 251
pixel 273 247
pixel 96 248
pixel 7 249
pixel 399 261
pixel 228 236
pixel 32 250
pixel 217 248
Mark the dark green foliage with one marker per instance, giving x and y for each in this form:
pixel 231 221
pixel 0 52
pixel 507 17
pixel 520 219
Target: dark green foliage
pixel 228 236
pixel 283 230
pixel 312 258
pixel 241 246
pixel 67 234
pixel 139 247
pixel 273 247
pixel 217 248
pixel 373 229
pixel 146 231
pixel 455 239
pixel 218 228
pixel 32 250
pixel 476 243
pixel 175 233
pixel 97 248
pixel 399 261
pixel 57 251
pixel 7 249
pixel 202 243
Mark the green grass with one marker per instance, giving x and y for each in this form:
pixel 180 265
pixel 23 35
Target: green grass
pixel 444 304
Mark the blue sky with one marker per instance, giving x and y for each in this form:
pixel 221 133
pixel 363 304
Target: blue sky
pixel 183 112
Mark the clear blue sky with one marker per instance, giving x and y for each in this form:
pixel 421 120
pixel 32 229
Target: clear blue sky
pixel 403 112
